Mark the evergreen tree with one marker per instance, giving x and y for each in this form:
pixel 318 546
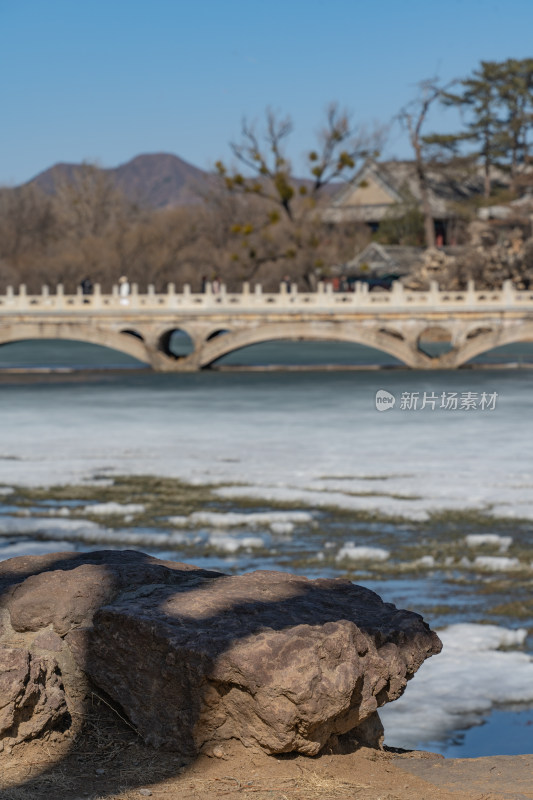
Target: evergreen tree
pixel 480 102
pixel 515 92
pixel 497 107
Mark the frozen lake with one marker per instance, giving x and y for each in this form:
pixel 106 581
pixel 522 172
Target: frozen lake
pixel 432 507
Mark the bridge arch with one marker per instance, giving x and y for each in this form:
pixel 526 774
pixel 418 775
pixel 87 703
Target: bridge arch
pixel 133 332
pixel 394 332
pixel 122 341
pixel 220 346
pixel 523 332
pixel 176 343
pixel 216 332
pixel 479 330
pixel 433 338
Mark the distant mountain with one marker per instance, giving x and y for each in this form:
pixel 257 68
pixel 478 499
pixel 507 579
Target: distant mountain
pixel 152 180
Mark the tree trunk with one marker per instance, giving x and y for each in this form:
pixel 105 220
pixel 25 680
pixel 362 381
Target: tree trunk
pixel 487 178
pixel 429 225
pixel 488 186
pixel 429 229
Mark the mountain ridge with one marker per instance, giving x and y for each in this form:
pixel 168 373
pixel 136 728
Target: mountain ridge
pixel 151 180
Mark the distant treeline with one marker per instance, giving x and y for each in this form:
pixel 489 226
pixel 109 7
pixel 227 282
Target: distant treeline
pixel 89 229
pixel 258 222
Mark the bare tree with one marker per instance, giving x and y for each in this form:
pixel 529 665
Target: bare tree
pixel 288 227
pixel 27 224
pixel 413 116
pixel 89 203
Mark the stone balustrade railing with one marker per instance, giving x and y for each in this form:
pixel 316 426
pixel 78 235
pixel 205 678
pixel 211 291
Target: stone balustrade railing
pixel 323 299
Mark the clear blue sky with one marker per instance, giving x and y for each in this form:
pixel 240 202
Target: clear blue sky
pixel 105 80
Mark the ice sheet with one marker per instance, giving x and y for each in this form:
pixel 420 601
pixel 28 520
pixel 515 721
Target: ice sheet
pixel 456 688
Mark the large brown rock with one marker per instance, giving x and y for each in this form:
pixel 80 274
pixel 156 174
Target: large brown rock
pixel 197 657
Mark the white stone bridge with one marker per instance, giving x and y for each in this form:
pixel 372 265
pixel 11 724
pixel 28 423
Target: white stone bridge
pixel 395 322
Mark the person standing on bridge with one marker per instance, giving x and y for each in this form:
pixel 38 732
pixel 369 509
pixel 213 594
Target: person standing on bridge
pixel 124 290
pixel 86 286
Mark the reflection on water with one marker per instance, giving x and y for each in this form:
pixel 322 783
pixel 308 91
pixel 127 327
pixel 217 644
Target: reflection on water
pixel 504 732
pixel 288 353
pixel 55 353
pixel 519 353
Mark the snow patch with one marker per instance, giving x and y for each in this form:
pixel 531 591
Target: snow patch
pixel 87 532
pixel 497 563
pixel 493 539
pixel 361 553
pixel 425 561
pixel 26 548
pixel 457 688
pixel 281 522
pixel 231 544
pixel 115 509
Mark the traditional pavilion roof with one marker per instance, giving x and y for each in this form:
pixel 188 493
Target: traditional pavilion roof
pixel 382 259
pixel 379 189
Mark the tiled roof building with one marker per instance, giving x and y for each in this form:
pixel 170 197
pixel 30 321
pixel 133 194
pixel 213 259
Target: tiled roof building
pixel 386 189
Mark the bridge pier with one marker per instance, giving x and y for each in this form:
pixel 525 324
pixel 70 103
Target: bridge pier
pixel 163 363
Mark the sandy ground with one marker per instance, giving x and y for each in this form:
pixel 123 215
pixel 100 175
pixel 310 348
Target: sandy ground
pixel 107 760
